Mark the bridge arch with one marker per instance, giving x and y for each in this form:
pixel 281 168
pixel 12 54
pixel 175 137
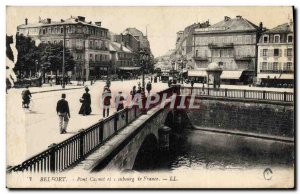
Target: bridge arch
pixel 147 154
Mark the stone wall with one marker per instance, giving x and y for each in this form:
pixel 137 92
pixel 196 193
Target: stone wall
pixel 254 117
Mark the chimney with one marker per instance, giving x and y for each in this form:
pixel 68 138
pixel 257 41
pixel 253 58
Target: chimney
pixel 26 21
pixel 226 18
pixel 61 20
pixel 48 20
pixel 260 25
pixel 81 18
pixel 238 17
pixel 98 24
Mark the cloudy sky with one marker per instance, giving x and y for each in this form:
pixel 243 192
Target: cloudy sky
pixel 162 22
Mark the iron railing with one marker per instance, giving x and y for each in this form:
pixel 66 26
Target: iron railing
pixel 238 93
pixel 59 157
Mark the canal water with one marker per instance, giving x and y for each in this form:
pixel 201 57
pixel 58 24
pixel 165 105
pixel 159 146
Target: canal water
pixel 196 149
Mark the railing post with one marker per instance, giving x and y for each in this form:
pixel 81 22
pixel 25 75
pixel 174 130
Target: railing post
pixel 81 142
pixel 225 92
pixel 264 95
pixel 207 91
pixel 284 96
pixel 126 110
pixel 52 157
pixel 245 93
pixel 135 111
pixel 101 127
pixel 116 118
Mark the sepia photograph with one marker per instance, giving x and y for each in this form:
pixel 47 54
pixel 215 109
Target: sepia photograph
pixel 150 97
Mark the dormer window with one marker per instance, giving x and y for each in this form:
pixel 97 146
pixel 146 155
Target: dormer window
pixel 290 38
pixel 265 39
pixel 276 38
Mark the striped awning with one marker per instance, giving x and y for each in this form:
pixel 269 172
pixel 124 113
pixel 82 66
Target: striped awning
pixel 129 68
pixel 197 73
pixel 231 74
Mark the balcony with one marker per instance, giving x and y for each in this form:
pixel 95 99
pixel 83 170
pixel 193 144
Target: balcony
pixel 99 63
pixel 276 71
pixel 218 46
pixel 200 58
pixel 243 58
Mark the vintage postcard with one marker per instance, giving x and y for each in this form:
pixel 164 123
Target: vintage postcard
pixel 150 97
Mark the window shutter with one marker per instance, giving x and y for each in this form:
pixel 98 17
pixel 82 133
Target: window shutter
pixel 285 52
pixel 280 66
pixel 261 52
pixel 280 53
pixel 270 52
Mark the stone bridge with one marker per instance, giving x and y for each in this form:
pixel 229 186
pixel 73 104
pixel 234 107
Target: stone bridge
pixel 137 144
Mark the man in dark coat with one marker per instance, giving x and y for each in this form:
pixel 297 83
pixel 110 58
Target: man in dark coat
pixel 149 87
pixel 63 111
pixel 85 108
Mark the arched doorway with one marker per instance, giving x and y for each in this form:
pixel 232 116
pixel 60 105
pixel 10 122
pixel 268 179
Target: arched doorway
pixel 146 158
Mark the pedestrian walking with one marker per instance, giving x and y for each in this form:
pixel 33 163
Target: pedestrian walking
pixel 85 108
pixel 119 101
pixel 106 97
pixel 133 92
pixel 63 111
pixel 149 87
pixel 26 96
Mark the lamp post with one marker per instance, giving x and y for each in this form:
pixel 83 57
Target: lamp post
pixel 63 60
pixel 181 61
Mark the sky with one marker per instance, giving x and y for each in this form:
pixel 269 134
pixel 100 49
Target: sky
pixel 162 23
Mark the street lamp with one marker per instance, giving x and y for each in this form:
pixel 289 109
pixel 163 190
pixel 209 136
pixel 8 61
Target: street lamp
pixel 182 60
pixel 143 60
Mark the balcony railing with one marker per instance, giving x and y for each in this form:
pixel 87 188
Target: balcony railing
pixel 99 63
pixel 224 45
pixel 243 58
pixel 275 71
pixel 200 58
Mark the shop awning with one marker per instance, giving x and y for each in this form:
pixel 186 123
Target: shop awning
pixel 275 75
pixel 231 74
pixel 197 73
pixel 129 68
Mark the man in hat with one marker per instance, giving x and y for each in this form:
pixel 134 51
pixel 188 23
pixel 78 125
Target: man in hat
pixel 62 109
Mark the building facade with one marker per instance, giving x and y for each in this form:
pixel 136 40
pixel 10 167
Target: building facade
pixel 276 57
pixel 87 42
pixel 231 43
pixel 123 59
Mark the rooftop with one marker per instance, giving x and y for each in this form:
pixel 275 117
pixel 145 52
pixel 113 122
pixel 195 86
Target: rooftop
pixel 283 28
pixel 71 20
pixel 230 25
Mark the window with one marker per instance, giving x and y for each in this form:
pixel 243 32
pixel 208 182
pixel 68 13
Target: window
pixel 196 53
pixel 55 30
pixel 265 39
pixel 265 52
pixel 67 43
pixel 61 30
pixel 91 57
pixel 276 38
pixel 264 66
pixel 289 52
pixel 44 31
pixel 91 44
pixel 275 66
pixel 289 66
pixel 276 52
pixel 49 31
pixel 290 38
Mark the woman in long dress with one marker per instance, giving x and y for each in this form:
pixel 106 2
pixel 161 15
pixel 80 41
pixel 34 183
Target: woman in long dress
pixel 85 108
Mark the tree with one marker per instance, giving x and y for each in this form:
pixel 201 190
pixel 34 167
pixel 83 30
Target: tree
pixel 28 53
pixel 51 58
